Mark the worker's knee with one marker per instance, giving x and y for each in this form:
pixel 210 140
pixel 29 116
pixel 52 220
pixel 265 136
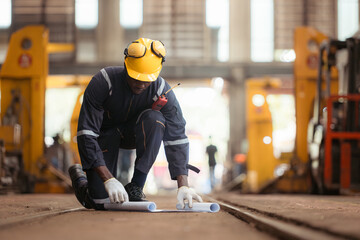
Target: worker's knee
pixel 155 118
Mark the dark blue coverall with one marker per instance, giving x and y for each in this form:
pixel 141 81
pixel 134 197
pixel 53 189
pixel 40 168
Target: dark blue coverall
pixel 112 117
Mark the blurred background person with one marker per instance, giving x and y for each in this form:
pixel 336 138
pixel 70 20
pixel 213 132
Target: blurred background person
pixel 211 150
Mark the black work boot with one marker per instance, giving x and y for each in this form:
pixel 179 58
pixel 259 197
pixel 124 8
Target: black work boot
pixel 135 193
pixel 76 172
pixel 80 186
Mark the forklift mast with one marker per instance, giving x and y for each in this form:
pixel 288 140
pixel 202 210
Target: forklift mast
pixel 334 156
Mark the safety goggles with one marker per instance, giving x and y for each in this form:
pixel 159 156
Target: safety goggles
pixel 138 50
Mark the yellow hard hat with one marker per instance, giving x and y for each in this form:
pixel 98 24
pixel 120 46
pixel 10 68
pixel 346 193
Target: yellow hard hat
pixel 144 58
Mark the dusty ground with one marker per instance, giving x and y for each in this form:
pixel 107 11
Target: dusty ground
pixel 339 214
pixel 17 207
pixel 89 224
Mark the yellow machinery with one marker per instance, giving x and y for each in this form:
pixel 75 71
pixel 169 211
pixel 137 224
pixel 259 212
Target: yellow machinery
pixel 261 161
pixel 260 158
pixel 307 41
pixel 23 82
pixel 307 45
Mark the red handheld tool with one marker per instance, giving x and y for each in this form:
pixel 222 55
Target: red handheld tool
pixel 162 100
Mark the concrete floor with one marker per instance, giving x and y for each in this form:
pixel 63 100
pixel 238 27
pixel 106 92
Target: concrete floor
pixel 90 224
pixel 339 214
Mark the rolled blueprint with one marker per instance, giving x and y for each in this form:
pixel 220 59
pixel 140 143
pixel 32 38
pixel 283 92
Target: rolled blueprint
pixel 200 207
pixel 131 206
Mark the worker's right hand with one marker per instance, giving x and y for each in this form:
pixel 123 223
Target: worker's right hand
pixel 116 191
pixel 186 195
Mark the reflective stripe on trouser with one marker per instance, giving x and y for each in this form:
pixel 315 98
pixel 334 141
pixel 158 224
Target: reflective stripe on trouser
pixel 149 131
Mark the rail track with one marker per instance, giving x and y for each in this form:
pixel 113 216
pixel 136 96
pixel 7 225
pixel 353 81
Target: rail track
pixel 278 226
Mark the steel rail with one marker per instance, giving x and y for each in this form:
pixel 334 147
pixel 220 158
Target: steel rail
pixel 276 227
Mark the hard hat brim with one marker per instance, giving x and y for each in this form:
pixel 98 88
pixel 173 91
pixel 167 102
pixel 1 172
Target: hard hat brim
pixel 145 77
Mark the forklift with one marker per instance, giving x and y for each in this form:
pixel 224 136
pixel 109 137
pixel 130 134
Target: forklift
pixel 326 155
pixel 334 130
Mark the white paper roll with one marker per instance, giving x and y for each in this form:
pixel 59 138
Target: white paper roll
pixel 131 206
pixel 200 207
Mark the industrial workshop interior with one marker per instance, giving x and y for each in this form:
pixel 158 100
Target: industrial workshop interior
pixel 179 119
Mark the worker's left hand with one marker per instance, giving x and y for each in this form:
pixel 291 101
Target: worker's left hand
pixel 187 194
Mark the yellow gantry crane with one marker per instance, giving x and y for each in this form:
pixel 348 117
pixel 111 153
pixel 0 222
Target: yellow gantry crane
pixel 23 82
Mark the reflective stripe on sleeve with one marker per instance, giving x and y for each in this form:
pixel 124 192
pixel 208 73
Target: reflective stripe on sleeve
pixel 106 76
pixel 86 132
pixel 176 142
pixel 160 90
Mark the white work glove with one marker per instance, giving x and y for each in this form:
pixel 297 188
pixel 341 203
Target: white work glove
pixel 116 191
pixel 186 194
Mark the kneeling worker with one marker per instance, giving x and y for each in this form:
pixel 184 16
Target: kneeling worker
pixel 117 113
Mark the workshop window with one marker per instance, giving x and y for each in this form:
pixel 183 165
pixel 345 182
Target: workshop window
pixel 86 13
pixel 348 18
pixel 131 13
pixel 217 18
pixel 5 13
pixel 262 30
